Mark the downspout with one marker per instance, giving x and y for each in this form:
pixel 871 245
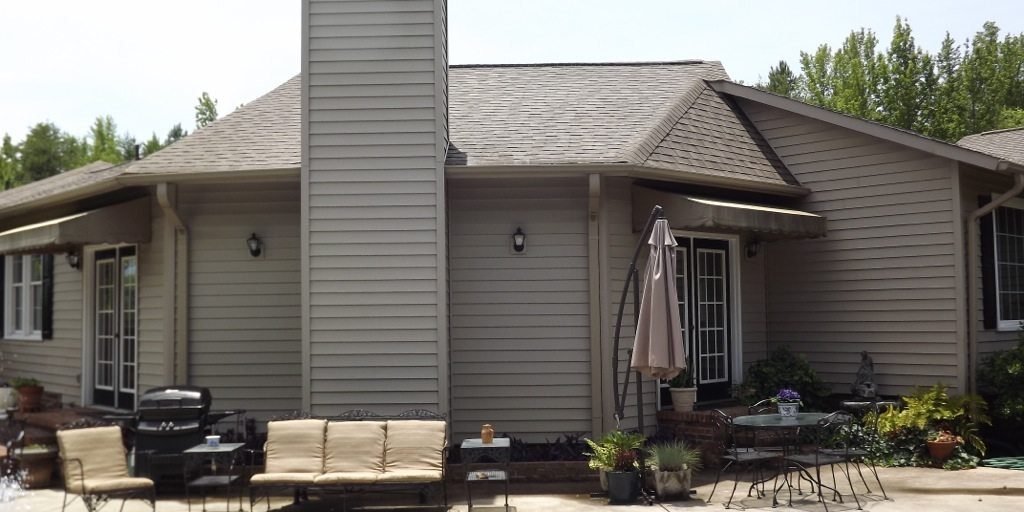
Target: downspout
pixel 972 269
pixel 176 274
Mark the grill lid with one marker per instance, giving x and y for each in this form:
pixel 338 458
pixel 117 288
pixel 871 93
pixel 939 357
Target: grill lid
pixel 174 400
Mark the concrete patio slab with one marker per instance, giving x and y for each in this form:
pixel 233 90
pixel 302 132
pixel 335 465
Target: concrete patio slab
pixel 909 489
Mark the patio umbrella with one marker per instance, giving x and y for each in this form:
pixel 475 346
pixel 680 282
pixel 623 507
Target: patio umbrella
pixel 658 348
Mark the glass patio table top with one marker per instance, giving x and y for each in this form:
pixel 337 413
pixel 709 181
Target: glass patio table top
pixel 803 419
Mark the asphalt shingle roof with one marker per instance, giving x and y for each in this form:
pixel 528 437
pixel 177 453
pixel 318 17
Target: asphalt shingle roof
pixel 96 173
pixel 1006 144
pixel 261 135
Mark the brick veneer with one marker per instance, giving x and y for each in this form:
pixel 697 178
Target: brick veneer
pixel 697 427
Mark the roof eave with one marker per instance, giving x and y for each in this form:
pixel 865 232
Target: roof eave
pixel 68 196
pixel 625 170
pixel 201 176
pixel 918 142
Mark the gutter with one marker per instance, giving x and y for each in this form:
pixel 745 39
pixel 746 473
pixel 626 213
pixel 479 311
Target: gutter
pixel 973 242
pixel 175 285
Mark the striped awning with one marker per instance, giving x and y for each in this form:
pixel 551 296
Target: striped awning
pixel 121 223
pixel 706 214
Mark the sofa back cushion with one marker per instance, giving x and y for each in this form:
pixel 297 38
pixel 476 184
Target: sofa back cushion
pixel 295 446
pixel 414 444
pixel 355 446
pixel 100 451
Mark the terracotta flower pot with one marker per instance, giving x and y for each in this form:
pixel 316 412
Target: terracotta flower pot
pixel 941 450
pixel 30 398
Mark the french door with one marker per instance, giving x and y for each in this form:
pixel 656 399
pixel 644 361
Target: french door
pixel 115 321
pixel 703 288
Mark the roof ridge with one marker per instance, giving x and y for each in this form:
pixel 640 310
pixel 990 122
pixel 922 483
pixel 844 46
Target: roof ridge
pixel 656 136
pixel 990 132
pixel 585 64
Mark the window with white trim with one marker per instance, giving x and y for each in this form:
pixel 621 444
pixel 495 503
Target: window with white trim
pixel 1008 226
pixel 23 296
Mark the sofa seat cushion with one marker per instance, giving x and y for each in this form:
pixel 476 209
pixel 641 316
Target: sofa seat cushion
pixel 354 446
pixel 348 477
pixel 295 446
pixel 402 476
pixel 283 479
pixel 414 445
pixel 103 485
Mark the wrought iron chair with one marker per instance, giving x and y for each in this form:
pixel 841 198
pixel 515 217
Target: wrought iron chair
pixel 832 442
pixel 96 469
pixel 740 457
pixel 858 451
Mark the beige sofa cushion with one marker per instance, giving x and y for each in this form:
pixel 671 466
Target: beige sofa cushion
pixel 348 477
pixel 295 446
pixel 408 476
pixel 354 446
pixel 414 445
pixel 105 485
pixel 283 479
pixel 101 454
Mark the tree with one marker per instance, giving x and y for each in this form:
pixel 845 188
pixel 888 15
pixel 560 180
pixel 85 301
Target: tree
pixel 105 141
pixel 175 134
pixel 943 111
pixel 47 150
pixel 10 169
pixel 152 145
pixel 984 86
pixel 782 80
pixel 906 77
pixel 126 147
pixel 206 110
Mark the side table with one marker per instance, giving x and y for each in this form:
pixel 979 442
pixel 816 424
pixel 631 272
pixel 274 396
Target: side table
pixel 475 452
pixel 222 459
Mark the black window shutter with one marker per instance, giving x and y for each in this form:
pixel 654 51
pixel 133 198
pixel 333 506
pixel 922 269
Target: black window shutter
pixel 3 292
pixel 990 318
pixel 47 296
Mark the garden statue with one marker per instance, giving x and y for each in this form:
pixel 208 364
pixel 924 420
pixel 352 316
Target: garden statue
pixel 864 386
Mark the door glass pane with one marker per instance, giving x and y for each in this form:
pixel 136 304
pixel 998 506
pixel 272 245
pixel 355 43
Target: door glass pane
pixel 17 269
pixel 37 307
pixel 712 317
pixel 105 324
pixel 129 308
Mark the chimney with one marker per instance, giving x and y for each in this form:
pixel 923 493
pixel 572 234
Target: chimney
pixel 374 138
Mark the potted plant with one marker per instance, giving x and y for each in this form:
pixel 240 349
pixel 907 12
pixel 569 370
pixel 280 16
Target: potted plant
pixel 8 397
pixel 683 390
pixel 616 455
pixel 941 444
pixel 788 402
pixel 673 464
pixel 30 393
pixel 37 461
pixel 600 458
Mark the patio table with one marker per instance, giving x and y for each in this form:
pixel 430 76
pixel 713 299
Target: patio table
pixel 774 421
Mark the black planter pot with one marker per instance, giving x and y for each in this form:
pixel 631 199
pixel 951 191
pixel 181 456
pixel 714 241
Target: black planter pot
pixel 623 486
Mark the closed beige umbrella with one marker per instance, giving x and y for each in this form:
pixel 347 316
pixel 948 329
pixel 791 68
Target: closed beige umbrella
pixel 658 348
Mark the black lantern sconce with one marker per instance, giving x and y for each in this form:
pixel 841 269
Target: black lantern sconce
pixel 255 245
pixel 752 248
pixel 74 259
pixel 519 240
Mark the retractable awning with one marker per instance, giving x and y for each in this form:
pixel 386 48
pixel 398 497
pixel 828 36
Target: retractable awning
pixel 121 223
pixel 705 214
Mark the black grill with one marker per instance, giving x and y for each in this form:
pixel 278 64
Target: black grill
pixel 172 419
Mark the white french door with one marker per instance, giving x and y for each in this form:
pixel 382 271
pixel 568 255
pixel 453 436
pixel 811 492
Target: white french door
pixel 115 325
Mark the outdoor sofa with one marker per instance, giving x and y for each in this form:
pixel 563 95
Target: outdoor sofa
pixel 355 452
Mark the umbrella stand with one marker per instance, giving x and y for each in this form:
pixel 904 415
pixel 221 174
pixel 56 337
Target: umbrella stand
pixel 632 277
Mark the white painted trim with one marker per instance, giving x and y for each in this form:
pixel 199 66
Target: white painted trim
pixel 960 275
pixel 304 205
pixel 594 210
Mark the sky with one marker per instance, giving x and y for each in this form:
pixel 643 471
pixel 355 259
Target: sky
pixel 144 63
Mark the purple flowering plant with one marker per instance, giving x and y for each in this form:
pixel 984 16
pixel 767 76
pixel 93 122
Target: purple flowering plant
pixel 786 395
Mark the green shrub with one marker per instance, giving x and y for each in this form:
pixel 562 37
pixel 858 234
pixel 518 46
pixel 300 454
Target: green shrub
pixel 614 449
pixel 674 456
pixel 1001 380
pixel 782 369
pixel 928 412
pixel 22 382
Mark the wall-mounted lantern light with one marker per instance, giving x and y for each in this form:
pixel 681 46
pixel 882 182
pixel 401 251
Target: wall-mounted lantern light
pixel 753 247
pixel 74 259
pixel 255 245
pixel 518 240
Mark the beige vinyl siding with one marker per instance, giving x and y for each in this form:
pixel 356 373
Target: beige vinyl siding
pixel 373 212
pixel 619 242
pixel 57 362
pixel 152 371
pixel 753 309
pixel 883 280
pixel 520 332
pixel 244 312
pixel 976 182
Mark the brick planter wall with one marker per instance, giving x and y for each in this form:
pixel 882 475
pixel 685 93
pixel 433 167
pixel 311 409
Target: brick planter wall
pixel 698 428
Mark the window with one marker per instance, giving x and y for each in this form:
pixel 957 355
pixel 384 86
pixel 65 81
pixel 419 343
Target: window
pixel 1009 266
pixel 25 295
